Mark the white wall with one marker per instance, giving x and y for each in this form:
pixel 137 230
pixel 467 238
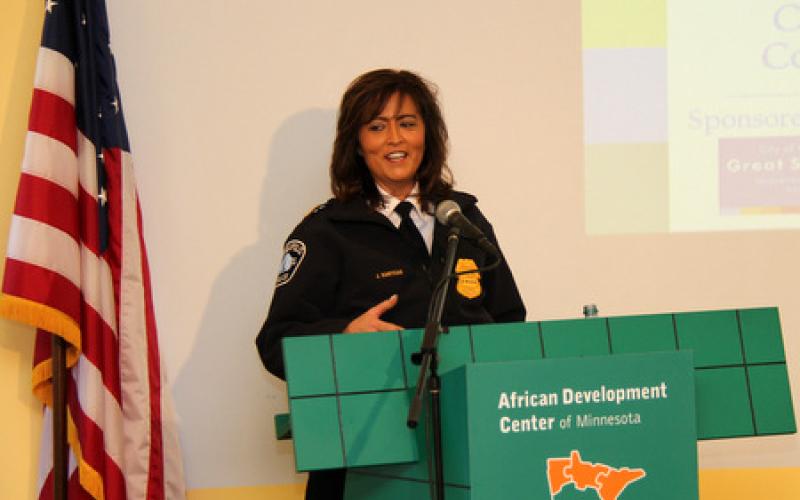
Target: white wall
pixel 230 109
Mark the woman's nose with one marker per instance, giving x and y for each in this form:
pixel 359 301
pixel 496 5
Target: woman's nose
pixel 394 134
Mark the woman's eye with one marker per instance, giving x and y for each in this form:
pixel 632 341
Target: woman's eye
pixel 375 127
pixel 408 124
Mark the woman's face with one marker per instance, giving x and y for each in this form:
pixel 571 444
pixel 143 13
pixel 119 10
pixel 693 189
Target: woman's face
pixel 393 144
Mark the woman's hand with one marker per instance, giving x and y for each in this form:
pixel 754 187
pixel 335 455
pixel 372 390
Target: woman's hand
pixel 371 320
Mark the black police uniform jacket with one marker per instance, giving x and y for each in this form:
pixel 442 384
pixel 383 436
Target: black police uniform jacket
pixel 345 258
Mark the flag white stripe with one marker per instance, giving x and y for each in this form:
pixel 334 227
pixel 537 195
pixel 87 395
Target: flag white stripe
pixel 55 74
pixel 100 406
pixel 41 244
pixel 72 464
pixel 51 159
pixel 133 345
pixel 174 488
pixel 87 164
pixel 45 448
pixel 98 286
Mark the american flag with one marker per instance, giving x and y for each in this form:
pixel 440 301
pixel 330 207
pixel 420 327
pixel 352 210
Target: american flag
pixel 76 267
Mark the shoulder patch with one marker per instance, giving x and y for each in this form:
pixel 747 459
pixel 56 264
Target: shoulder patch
pixel 293 253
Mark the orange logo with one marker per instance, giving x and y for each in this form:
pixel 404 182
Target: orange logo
pixel 607 481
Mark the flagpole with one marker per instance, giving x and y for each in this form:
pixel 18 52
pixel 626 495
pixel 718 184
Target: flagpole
pixel 59 360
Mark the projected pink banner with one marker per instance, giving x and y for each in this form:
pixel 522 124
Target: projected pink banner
pixel 759 175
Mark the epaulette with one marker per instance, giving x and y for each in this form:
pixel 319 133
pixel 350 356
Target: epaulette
pixel 317 209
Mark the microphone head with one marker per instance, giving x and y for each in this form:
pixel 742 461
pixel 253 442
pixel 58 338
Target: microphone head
pixel 445 209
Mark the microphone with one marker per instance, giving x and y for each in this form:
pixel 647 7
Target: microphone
pixel 448 213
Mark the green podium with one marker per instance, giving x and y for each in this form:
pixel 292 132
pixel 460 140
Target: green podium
pixel 590 408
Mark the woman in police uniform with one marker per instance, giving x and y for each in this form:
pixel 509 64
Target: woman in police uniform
pixel 367 260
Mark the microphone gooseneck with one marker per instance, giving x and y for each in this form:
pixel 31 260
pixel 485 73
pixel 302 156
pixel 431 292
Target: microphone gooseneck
pixel 448 213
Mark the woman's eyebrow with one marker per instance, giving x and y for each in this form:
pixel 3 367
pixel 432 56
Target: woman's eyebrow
pixel 396 117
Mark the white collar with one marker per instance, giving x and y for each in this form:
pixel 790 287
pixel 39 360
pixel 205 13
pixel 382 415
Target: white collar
pixel 422 219
pixel 389 201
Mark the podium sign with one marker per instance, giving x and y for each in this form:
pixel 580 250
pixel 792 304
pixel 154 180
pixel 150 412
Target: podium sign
pixel 609 428
pixel 559 428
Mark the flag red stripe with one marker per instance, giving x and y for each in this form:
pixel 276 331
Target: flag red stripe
pixel 35 283
pixel 74 489
pixel 113 253
pixel 115 180
pixel 43 346
pixel 99 343
pixel 45 201
pixel 92 447
pixel 54 117
pixel 155 487
pixel 46 493
pixel 89 227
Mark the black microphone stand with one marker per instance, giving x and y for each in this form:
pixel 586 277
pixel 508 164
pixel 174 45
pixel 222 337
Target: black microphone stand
pixel 427 359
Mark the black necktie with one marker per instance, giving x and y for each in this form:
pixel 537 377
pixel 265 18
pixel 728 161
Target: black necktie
pixel 409 230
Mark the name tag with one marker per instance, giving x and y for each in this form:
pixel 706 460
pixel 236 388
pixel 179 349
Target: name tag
pixel 392 273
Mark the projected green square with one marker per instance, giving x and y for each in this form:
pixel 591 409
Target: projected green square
pixel 283 426
pixel 574 338
pixel 366 485
pixel 712 335
pixel 375 430
pixel 363 484
pixel 723 405
pixel 456 411
pixel 506 342
pixel 312 350
pixel 417 471
pixel 634 334
pixel 368 362
pixel 455 350
pixel 772 399
pixel 316 433
pixel 761 333
pixel 411 341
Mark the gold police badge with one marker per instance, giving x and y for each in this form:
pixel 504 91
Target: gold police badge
pixel 469 284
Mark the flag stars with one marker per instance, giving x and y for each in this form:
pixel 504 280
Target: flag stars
pixel 83 19
pixel 115 105
pixel 102 197
pixel 49 6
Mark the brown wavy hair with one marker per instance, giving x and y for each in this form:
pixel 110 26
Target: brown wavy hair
pixel 363 100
